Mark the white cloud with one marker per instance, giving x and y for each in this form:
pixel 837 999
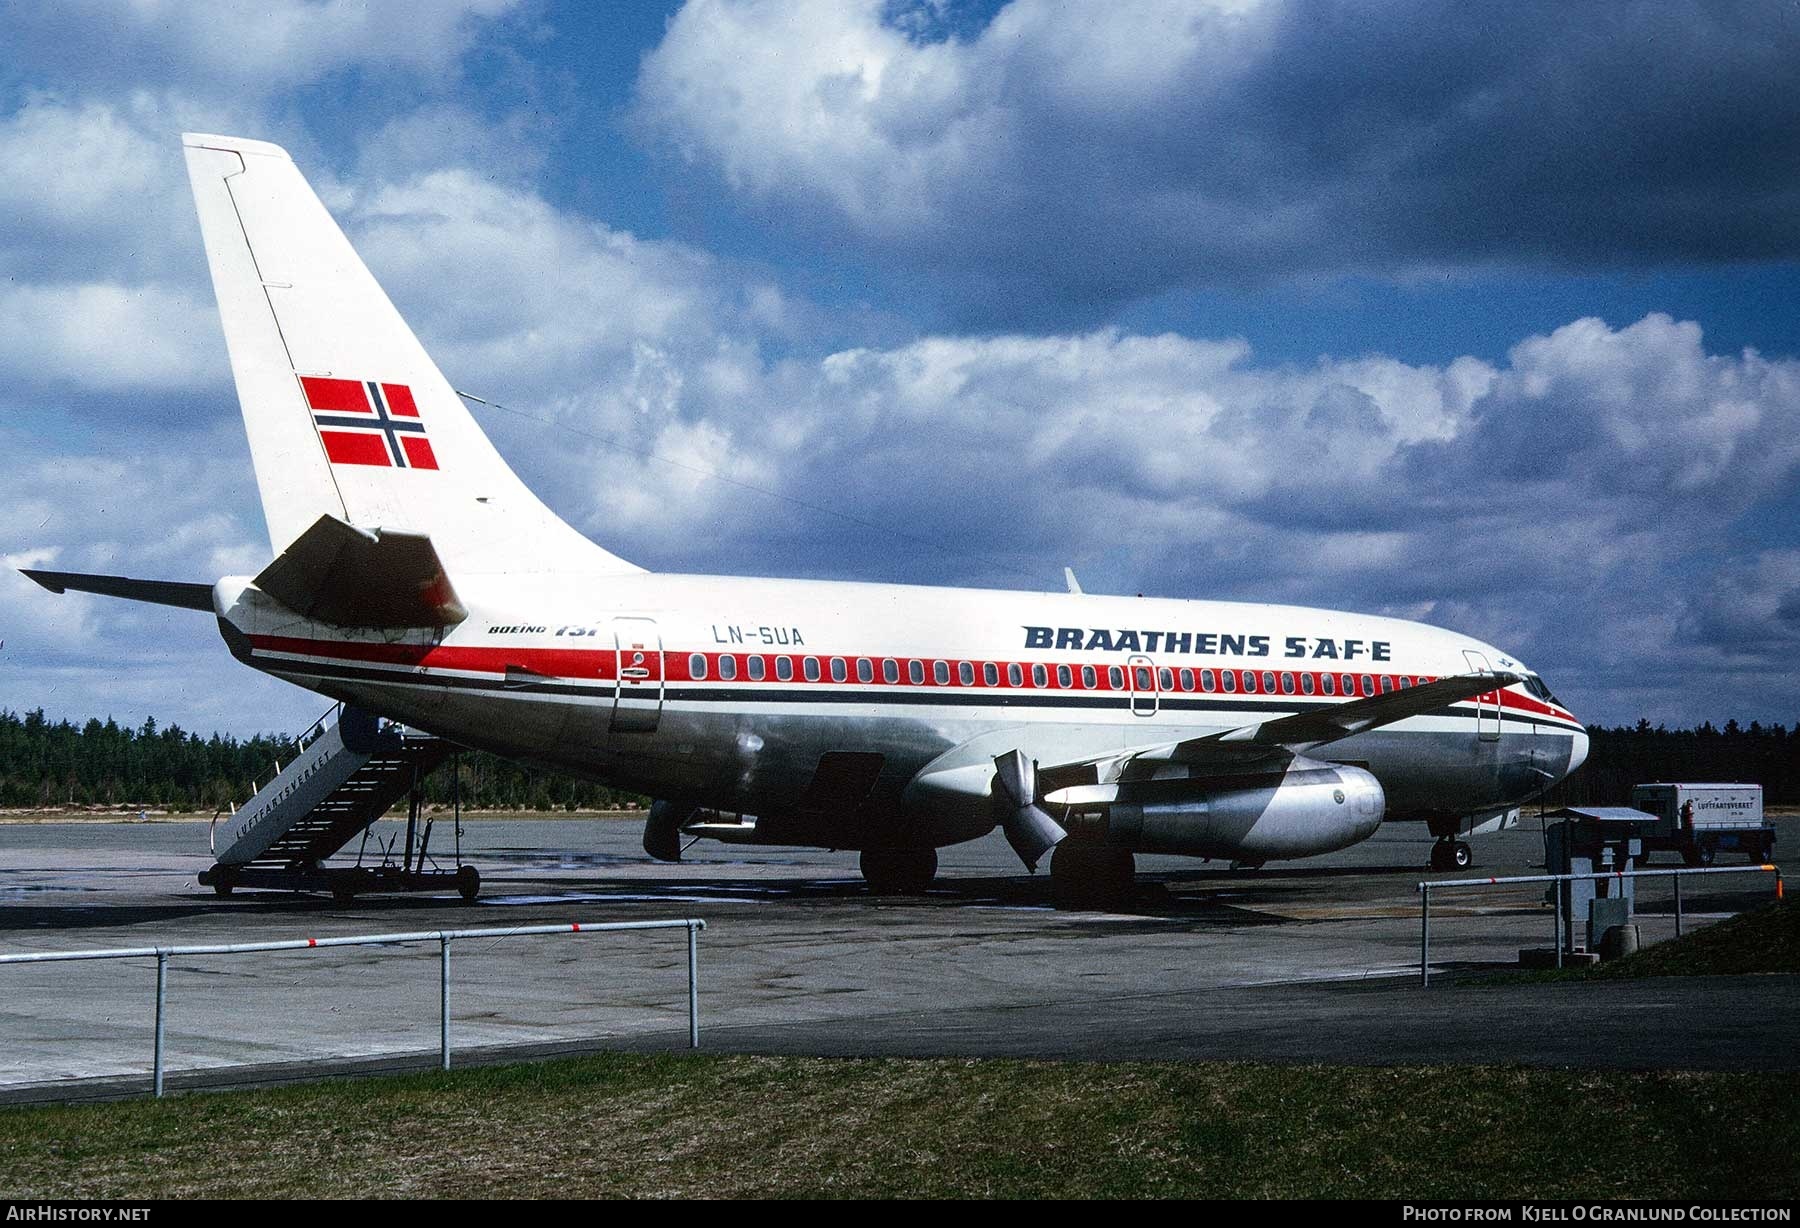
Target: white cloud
pixel 95 190
pixel 1063 158
pixel 438 135
pixel 517 292
pixel 158 506
pixel 242 48
pixel 73 164
pixel 108 337
pixel 1749 608
pixel 821 94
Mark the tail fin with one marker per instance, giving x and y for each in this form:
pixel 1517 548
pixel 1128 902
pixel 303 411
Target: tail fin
pixel 347 415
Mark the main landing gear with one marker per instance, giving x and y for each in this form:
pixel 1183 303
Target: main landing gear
pixel 1449 853
pixel 899 871
pixel 1092 876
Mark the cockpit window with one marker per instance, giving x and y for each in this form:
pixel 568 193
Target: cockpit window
pixel 1536 686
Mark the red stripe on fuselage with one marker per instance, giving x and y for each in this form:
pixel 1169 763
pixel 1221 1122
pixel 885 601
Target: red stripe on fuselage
pixel 599 664
pixel 554 662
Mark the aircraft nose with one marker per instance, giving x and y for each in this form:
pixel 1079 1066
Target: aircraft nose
pixel 1578 750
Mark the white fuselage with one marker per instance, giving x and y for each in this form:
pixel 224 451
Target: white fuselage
pixel 728 692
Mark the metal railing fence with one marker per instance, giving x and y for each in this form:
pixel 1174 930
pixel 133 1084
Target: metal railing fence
pixel 162 955
pixel 1426 887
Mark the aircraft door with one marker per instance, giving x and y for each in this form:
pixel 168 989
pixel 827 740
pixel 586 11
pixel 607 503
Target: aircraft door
pixel 1487 720
pixel 637 674
pixel 1145 697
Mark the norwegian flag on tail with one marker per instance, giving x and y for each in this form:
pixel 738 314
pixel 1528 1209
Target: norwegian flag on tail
pixel 362 422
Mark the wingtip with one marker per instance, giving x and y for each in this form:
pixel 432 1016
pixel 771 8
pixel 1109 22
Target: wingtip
pixel 43 579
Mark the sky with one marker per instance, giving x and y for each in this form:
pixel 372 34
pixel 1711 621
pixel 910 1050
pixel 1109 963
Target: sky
pixel 1483 315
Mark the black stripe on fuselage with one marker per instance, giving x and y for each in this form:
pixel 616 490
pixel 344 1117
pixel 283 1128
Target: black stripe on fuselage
pixel 821 694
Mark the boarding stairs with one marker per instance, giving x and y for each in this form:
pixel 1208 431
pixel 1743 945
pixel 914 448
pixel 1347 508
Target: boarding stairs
pixel 348 773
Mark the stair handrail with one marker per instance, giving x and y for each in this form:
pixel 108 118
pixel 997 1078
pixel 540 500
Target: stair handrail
pixel 317 728
pixel 212 828
pixel 313 733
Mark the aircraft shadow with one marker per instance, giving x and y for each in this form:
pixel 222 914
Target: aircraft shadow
pixel 1209 897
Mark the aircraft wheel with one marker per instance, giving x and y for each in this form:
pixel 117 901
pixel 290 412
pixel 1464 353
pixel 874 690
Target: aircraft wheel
pixel 468 883
pixel 1092 876
pixel 1461 855
pixel 899 871
pixel 221 889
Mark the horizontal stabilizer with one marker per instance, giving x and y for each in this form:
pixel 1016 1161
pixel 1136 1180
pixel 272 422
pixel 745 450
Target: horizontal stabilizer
pixel 156 592
pixel 349 577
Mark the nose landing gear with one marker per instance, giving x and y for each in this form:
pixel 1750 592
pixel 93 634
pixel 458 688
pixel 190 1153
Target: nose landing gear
pixel 1449 853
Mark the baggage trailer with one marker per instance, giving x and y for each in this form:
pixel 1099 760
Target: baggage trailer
pixel 1700 821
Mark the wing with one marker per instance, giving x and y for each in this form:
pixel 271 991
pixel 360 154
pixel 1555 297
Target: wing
pixel 1304 730
pixel 1278 740
pixel 1022 788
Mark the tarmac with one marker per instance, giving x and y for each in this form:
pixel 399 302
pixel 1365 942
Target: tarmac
pixel 1312 961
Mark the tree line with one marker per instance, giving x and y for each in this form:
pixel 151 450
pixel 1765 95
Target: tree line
pixel 1618 758
pixel 102 763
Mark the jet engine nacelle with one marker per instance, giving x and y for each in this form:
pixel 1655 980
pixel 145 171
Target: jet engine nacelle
pixel 1310 808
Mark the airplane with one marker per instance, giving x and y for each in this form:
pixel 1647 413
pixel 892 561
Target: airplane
pixel 416 576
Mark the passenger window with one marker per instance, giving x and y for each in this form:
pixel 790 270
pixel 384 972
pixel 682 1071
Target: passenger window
pixel 1014 675
pixel 784 668
pixel 1207 681
pixel 965 670
pixel 1087 677
pixel 1268 683
pixel 1187 679
pixel 727 666
pixel 1229 678
pixel 1368 685
pixel 757 669
pixel 1328 684
pixel 1141 676
pixel 838 672
pixel 1040 676
pixel 697 666
pixel 1165 678
pixel 1306 683
pixel 810 667
pixel 1064 677
pixel 1115 678
pixel 865 670
pixel 941 672
pixel 915 670
pixel 990 673
pixel 1249 681
pixel 1287 684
